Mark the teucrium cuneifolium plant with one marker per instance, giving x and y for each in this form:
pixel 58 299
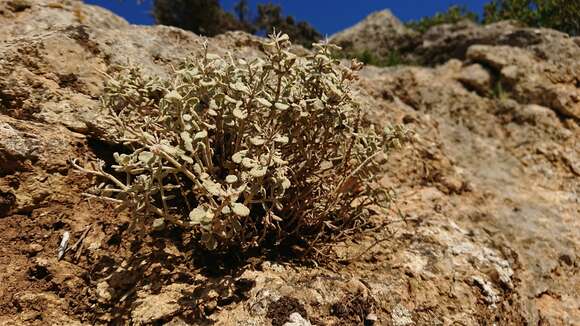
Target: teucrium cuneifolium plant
pixel 242 151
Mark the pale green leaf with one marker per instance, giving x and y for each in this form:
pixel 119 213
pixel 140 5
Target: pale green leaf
pixel 237 157
pixel 200 135
pixel 146 157
pixel 264 102
pixel 231 179
pixel 258 171
pixel 281 106
pixel 240 209
pixel 239 114
pixel 173 96
pixel 212 187
pixel 257 141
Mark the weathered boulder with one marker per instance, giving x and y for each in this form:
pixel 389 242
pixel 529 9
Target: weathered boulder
pixel 443 42
pixel 380 33
pixel 476 77
pixel 531 79
pixel 94 42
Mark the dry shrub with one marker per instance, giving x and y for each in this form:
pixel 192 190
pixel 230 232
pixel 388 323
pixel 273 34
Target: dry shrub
pixel 246 151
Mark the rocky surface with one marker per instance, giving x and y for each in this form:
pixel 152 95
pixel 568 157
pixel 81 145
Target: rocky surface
pixel 535 66
pixel 485 230
pixel 381 33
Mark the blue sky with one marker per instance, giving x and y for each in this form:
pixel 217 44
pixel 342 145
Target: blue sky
pixel 328 16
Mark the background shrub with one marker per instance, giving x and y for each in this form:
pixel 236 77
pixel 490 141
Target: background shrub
pixel 246 152
pixel 393 58
pixel 270 19
pixel 206 17
pixel 454 14
pixel 563 15
pixel 203 17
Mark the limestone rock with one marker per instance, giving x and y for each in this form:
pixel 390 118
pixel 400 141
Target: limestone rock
pixel 380 33
pixel 16 147
pixel 297 320
pixel 476 77
pixel 162 306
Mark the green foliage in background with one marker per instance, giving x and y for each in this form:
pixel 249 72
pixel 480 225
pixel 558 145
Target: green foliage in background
pixel 206 17
pixel 562 15
pixel 453 15
pixel 246 152
pixel 203 17
pixel 369 58
pixel 271 19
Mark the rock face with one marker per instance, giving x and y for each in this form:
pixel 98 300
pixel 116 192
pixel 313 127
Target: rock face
pixel 549 80
pixel 535 66
pixel 486 229
pixel 443 42
pixel 380 32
